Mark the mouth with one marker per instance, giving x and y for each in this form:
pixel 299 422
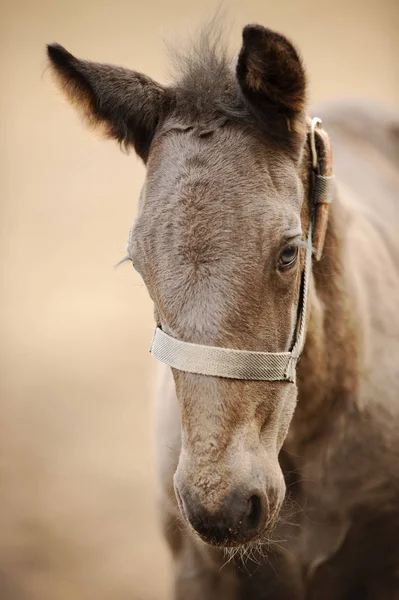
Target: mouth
pixel 233 540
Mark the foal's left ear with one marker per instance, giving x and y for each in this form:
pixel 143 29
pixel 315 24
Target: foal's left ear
pixel 127 105
pixel 272 80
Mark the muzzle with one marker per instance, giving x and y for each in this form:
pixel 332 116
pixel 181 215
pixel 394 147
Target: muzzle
pixel 264 366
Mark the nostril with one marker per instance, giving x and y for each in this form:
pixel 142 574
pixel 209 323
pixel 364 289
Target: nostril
pixel 255 512
pixel 240 518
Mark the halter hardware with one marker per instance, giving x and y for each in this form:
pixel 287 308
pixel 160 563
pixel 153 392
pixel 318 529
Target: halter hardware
pixel 264 366
pixel 322 179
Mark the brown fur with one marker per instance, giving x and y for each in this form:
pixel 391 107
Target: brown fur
pixel 227 188
pixel 271 75
pixel 106 96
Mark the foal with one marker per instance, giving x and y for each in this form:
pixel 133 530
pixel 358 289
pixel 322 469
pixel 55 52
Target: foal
pixel 303 469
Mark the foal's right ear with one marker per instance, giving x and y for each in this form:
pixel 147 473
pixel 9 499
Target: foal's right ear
pixel 127 105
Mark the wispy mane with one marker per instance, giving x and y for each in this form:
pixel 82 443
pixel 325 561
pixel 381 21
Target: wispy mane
pixel 204 74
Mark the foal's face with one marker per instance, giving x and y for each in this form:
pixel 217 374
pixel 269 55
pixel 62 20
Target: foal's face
pixel 216 242
pixel 219 220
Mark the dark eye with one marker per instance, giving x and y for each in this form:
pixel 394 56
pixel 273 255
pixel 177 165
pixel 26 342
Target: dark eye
pixel 288 257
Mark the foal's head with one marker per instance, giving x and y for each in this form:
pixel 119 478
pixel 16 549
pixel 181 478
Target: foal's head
pixel 221 221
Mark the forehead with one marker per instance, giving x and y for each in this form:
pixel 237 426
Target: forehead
pixel 226 163
pixel 209 192
pixel 213 213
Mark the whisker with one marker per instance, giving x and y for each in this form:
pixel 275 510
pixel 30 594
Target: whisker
pixel 124 259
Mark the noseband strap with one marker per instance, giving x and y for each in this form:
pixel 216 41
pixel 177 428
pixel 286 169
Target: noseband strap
pixel 222 362
pixel 247 364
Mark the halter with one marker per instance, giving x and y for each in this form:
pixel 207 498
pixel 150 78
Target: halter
pixel 264 366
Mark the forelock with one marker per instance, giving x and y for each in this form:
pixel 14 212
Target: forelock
pixel 204 78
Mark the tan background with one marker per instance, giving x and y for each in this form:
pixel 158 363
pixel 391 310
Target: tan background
pixel 77 516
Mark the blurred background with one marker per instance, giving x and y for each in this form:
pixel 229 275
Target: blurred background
pixel 77 509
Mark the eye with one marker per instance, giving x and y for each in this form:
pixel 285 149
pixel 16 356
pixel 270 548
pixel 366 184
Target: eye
pixel 288 257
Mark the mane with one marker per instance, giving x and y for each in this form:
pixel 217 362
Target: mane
pixel 204 77
pixel 207 92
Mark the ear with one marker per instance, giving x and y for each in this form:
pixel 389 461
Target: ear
pixel 272 80
pixel 127 105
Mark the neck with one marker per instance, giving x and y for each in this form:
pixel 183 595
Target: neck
pixel 327 373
